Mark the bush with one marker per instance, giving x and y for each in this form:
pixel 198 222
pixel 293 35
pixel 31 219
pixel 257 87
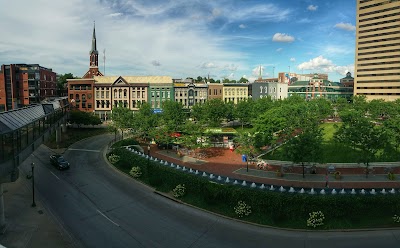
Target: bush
pixel 125 142
pixel 242 209
pixel 135 172
pixel 316 219
pixel 391 176
pixel 113 158
pixel 179 191
pixel 396 218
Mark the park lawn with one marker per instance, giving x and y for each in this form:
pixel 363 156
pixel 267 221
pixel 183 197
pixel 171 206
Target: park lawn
pixel 334 152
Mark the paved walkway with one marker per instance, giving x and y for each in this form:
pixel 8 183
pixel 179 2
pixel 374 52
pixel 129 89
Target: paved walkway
pixel 229 164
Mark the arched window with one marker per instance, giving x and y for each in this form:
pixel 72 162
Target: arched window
pixel 119 93
pixel 125 93
pixel 102 103
pixel 115 93
pixel 97 104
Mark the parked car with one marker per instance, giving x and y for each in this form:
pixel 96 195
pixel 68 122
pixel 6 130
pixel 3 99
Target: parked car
pixel 59 162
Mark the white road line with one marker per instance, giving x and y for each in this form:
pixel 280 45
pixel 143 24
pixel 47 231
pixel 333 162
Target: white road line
pixel 107 218
pixel 85 150
pixel 54 175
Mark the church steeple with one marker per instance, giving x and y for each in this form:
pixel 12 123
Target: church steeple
pixel 94 45
pixel 94 58
pixel 94 54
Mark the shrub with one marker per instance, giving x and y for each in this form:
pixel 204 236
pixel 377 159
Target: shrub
pixel 391 176
pixel 135 172
pixel 242 209
pixel 316 219
pixel 113 158
pixel 396 218
pixel 179 191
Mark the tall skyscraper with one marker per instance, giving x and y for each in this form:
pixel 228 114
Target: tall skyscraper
pixel 377 63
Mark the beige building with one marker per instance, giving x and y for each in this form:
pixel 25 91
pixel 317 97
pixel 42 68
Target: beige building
pixel 189 93
pixel 235 92
pixel 130 91
pixel 377 62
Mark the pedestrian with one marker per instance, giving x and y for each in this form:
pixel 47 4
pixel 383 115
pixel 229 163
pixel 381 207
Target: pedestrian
pixel 326 180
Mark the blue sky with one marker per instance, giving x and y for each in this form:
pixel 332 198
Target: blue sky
pixel 182 38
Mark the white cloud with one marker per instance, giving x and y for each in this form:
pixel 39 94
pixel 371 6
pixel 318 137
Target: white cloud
pixel 256 71
pixel 292 59
pixel 156 63
pixel 321 64
pixel 129 41
pixel 114 14
pixel 208 65
pixel 312 7
pixel 279 49
pixel 242 26
pixel 231 67
pixel 345 26
pixel 280 37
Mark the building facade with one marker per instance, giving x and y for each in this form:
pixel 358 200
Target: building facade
pixel 320 88
pixel 347 81
pixel 235 92
pixel 263 88
pixel 80 94
pixel 189 93
pixel 25 84
pixel 377 60
pixel 215 91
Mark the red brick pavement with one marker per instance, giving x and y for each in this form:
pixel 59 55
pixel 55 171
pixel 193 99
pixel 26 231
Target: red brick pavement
pixel 224 162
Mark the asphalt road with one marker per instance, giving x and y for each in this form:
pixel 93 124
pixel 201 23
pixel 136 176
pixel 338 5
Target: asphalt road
pixel 100 207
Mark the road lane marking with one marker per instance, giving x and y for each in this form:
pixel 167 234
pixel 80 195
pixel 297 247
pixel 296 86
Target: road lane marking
pixel 54 175
pixel 84 150
pixel 107 218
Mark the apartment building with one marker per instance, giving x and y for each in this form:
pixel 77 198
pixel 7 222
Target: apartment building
pixel 25 84
pixel 377 61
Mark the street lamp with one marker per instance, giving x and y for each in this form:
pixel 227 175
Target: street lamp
pixel 33 185
pixel 148 157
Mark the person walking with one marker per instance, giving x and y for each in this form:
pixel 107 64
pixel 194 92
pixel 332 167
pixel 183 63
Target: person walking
pixel 326 180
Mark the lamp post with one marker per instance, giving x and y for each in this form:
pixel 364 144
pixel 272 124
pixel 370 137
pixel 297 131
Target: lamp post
pixel 148 157
pixel 33 185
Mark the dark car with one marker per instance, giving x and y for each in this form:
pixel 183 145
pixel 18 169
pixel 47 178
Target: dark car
pixel 59 162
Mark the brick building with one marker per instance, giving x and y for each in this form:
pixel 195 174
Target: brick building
pixel 25 84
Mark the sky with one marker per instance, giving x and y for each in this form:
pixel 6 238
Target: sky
pixel 182 38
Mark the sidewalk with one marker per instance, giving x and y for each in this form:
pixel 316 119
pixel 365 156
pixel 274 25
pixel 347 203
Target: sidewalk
pixel 27 226
pixel 230 165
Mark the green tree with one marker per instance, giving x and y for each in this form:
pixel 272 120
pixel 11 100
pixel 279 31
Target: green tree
pixel 305 147
pixel 214 112
pixel 243 111
pixel 173 115
pixel 243 80
pixel 122 118
pixel 361 133
pixel 246 145
pixel 62 82
pixel 144 120
pixel 83 118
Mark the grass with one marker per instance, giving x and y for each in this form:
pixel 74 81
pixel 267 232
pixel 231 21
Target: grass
pixel 334 152
pixel 73 135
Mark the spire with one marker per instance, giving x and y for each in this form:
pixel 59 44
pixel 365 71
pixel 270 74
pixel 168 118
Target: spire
pixel 94 46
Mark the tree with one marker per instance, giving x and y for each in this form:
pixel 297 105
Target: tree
pixel 225 81
pixel 199 79
pixel 173 116
pixel 83 118
pixel 243 111
pixel 243 80
pixel 62 81
pixel 360 132
pixel 306 146
pixel 214 112
pixel 246 145
pixel 122 118
pixel 145 120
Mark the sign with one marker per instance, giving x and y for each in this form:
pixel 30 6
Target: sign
pixel 244 158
